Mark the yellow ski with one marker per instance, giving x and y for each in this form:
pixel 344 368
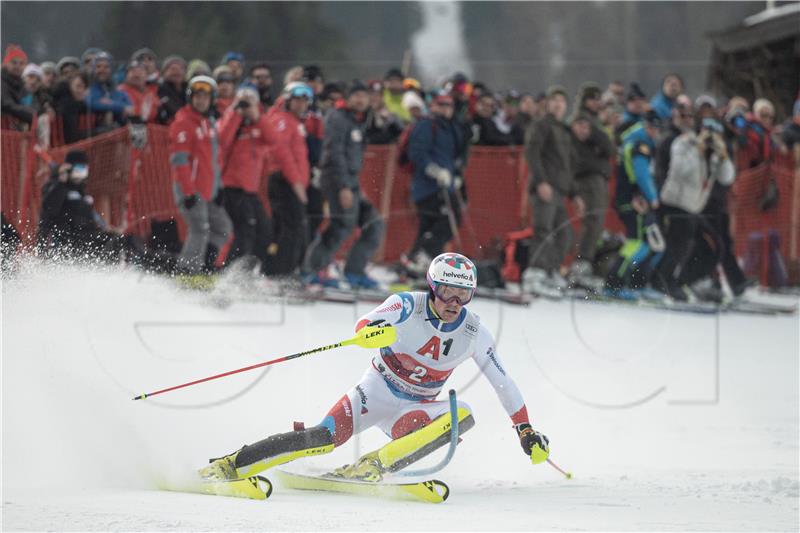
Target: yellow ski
pixel 432 491
pixel 254 488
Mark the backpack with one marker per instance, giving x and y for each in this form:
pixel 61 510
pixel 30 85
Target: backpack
pixel 404 163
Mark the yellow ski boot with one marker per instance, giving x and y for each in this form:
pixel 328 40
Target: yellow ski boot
pixel 222 469
pixel 367 468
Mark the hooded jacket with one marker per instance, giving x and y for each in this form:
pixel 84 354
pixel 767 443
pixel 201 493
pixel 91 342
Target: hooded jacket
pixel 342 150
pixel 691 176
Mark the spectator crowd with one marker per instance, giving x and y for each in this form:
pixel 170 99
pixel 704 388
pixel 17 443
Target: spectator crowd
pixel 233 124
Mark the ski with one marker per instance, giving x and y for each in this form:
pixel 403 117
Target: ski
pixel 254 488
pixel 431 491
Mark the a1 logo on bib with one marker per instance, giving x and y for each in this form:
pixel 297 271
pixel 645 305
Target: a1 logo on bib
pixel 432 348
pixel 356 136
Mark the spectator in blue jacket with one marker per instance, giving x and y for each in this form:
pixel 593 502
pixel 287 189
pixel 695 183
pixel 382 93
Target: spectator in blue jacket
pixel 434 145
pixel 663 102
pixel 103 98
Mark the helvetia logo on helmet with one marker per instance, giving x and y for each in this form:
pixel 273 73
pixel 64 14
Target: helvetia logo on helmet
pixel 460 275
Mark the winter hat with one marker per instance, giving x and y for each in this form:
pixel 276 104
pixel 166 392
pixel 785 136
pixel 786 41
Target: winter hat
pixel 512 95
pixel 636 92
pixel 169 60
pixel 197 67
pixel 247 91
pixel 33 68
pixel 14 51
pixel 312 72
pixel 89 51
pixel 100 57
pixel 67 60
pixel 76 157
pixel 556 89
pixel 441 95
pixel 356 86
pixel 412 99
pixel 232 56
pixel 48 66
pixel 589 90
pixel 705 99
pixel 394 73
pixel 223 73
pixel 412 83
pixel 143 52
pixel 330 88
pixel 651 118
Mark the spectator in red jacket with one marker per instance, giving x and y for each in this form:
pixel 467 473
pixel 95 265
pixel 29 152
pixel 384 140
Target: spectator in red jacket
pixel 757 139
pixel 196 159
pixel 287 186
pixel 142 95
pixel 149 60
pixel 244 167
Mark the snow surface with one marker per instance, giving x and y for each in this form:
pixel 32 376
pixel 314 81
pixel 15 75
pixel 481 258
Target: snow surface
pixel 668 421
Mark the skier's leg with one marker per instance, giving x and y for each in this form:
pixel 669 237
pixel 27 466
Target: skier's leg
pixel 363 406
pixel 418 430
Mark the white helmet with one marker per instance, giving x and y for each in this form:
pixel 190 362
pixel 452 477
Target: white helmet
pixel 453 277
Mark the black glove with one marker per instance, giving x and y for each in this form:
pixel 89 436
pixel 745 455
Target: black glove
pixel 190 201
pixel 529 438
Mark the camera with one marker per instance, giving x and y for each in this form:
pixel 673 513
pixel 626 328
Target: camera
pixel 243 104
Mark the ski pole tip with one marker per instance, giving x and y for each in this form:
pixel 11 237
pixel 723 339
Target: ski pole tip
pixel 142 397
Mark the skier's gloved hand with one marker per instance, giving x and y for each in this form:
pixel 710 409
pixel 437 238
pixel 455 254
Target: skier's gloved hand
pixel 534 444
pixel 441 175
pixel 190 201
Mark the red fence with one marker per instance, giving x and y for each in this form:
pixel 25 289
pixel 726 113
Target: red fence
pixel 132 187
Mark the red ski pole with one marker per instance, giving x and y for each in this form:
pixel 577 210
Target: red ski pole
pixel 367 337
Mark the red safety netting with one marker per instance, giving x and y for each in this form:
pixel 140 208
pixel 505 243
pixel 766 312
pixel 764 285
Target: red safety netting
pixel 13 145
pixel 757 231
pixel 132 188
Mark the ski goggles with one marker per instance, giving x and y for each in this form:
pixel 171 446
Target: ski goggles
pixel 450 294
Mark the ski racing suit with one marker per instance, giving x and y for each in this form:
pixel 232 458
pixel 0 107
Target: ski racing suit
pixel 397 392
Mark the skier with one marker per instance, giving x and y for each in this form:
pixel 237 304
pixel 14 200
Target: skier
pixel 397 393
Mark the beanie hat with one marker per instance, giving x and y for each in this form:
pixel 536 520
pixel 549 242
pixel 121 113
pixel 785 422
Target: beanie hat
pixel 356 86
pixel 67 60
pixel 33 68
pixel 556 89
pixel 14 51
pixel 169 60
pixel 76 157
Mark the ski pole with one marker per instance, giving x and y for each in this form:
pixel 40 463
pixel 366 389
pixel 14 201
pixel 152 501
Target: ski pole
pixel 568 475
pixel 367 337
pixel 451 219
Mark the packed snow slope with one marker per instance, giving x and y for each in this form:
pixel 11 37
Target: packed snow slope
pixel 669 421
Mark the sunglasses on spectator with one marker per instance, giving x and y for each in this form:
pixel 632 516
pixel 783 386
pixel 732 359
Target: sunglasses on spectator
pixel 263 77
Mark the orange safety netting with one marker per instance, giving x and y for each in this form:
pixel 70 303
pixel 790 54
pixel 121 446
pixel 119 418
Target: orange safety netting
pixel 132 188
